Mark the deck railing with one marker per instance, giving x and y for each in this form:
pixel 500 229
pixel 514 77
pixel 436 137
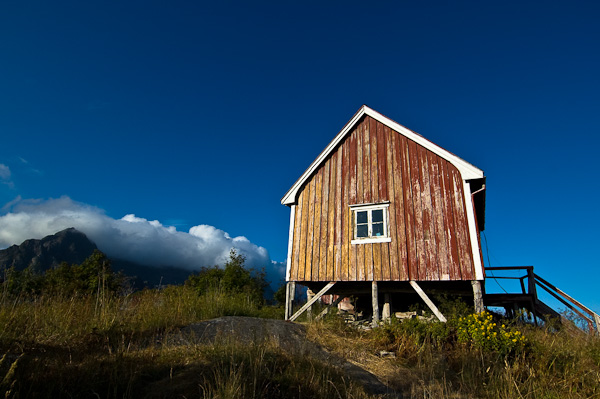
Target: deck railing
pixel 533 281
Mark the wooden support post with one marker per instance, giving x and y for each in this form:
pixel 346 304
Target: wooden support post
pixel 386 314
pixel 309 296
pixel 326 310
pixel 477 296
pixel 426 299
pixel 290 293
pixel 313 300
pixel 375 302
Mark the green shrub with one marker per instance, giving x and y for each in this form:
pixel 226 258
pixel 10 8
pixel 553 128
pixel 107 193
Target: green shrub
pixel 479 329
pixel 94 276
pixel 233 278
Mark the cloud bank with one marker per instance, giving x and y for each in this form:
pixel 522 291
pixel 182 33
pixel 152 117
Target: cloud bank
pixel 130 238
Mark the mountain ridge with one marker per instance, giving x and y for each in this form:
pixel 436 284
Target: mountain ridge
pixel 73 246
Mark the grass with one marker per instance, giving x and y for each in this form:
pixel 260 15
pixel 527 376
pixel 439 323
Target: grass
pixel 432 361
pixel 114 347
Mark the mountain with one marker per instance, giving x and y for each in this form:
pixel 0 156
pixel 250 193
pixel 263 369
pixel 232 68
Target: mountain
pixel 70 245
pixel 73 246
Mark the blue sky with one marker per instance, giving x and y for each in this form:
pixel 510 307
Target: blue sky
pixel 192 113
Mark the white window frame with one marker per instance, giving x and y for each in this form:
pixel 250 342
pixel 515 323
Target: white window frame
pixel 369 208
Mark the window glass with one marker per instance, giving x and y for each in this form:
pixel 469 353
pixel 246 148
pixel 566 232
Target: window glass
pixel 377 215
pixel 362 230
pixel 361 217
pixel 377 229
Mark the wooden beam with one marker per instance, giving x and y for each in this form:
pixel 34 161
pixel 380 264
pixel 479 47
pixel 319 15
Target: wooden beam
pixel 426 299
pixel 570 306
pixel 313 300
pixel 290 293
pixel 386 313
pixel 375 302
pixel 309 296
pixel 477 296
pixel 326 310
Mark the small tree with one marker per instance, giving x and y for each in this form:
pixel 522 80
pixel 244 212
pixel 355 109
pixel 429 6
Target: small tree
pixel 233 277
pixel 93 276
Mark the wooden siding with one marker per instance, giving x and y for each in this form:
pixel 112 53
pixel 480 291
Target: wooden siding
pixel 427 213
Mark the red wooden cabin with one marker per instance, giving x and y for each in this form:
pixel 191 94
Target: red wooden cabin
pixel 383 210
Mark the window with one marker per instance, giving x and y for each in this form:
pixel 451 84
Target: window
pixel 370 223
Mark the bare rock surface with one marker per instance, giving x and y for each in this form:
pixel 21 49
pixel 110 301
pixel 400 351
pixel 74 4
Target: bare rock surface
pixel 290 337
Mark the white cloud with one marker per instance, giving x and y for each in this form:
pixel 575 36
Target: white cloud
pixel 5 176
pixel 130 238
pixel 4 172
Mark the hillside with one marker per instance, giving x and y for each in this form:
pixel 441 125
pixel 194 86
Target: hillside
pixel 69 245
pixel 176 342
pixel 73 247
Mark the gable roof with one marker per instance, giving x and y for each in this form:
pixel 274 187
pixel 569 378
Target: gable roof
pixel 467 170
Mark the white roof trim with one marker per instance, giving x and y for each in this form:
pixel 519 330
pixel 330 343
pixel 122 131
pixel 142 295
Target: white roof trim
pixel 467 170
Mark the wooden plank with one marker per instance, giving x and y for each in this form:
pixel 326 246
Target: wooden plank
pixel 366 161
pixel 374 161
pixel 462 231
pixel 480 252
pixel 418 211
pixel 331 218
pixel 368 248
pixel 338 218
pixel 303 233
pixel 297 238
pixel 377 272
pixel 352 264
pixel 310 230
pixel 409 216
pixel 376 248
pixel 382 162
pixel 399 208
pixel 426 299
pixel 433 267
pixel 450 226
pixel 345 209
pixel 391 184
pixel 383 195
pixel 360 249
pixel 324 223
pixel 435 177
pixel 316 245
pixel 314 299
pixel 565 295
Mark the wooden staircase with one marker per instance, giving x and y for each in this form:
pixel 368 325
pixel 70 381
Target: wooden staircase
pixel 528 298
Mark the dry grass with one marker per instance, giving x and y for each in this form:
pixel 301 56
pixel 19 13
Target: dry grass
pixel 429 361
pixel 115 348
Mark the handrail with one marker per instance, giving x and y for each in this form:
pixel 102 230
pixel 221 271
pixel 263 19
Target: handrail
pixel 540 281
pixel 535 280
pixel 509 268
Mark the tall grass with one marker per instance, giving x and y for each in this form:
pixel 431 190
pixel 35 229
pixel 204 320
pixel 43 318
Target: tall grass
pixel 432 361
pixel 113 347
pixel 74 347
